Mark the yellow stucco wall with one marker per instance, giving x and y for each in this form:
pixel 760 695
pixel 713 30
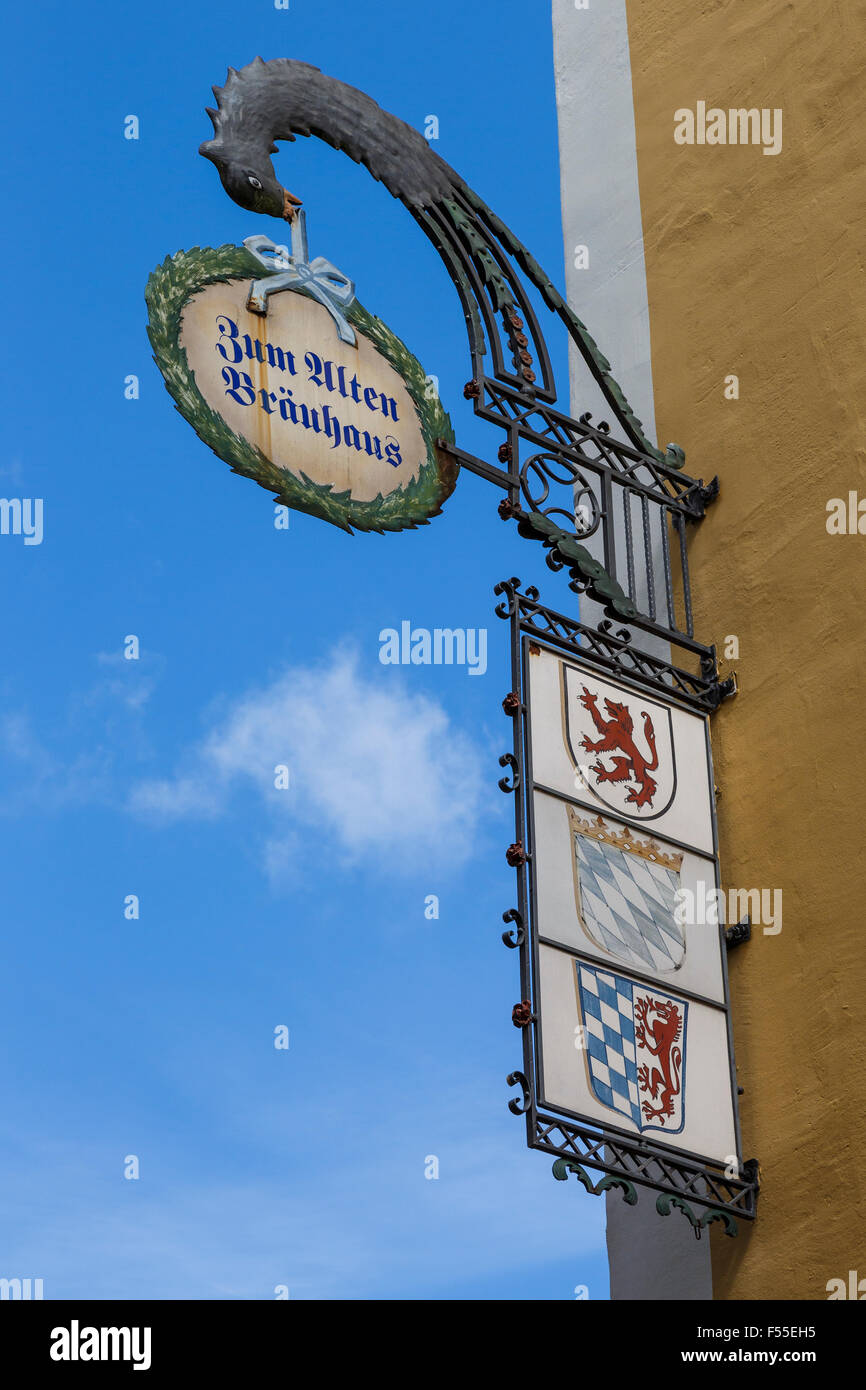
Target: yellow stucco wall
pixel 755 266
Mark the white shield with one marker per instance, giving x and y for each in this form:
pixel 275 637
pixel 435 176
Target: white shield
pixel 621 744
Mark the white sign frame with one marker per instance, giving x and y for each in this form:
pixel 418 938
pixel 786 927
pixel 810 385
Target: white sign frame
pixel 710 1132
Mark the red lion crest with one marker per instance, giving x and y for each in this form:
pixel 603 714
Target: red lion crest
pixel 617 736
pixel 662 1082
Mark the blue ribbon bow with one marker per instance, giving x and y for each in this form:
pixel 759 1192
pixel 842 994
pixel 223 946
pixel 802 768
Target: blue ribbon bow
pixel 323 280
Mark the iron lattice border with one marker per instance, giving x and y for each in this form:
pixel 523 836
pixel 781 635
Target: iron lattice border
pixel 680 1180
pixel 614 652
pixel 644 1165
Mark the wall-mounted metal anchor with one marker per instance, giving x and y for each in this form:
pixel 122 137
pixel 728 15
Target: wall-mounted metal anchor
pixel 740 932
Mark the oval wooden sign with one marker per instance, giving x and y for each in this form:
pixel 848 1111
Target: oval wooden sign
pixel 345 432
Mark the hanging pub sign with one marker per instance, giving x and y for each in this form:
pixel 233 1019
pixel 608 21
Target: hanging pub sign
pixel 280 370
pixel 631 983
pixel 628 1075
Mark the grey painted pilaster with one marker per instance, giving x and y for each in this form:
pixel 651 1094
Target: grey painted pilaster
pixel 651 1257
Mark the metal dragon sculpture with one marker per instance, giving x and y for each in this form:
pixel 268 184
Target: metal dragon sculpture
pixel 278 100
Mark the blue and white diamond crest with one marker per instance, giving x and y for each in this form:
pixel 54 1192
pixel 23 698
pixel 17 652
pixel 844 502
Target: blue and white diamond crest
pixel 626 894
pixel 635 1048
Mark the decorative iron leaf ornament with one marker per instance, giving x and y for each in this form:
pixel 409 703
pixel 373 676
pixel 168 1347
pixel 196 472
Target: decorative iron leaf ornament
pixel 563 1166
pixel 664 1203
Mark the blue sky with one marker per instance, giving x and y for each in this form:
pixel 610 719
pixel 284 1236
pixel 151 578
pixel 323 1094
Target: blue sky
pixel 154 777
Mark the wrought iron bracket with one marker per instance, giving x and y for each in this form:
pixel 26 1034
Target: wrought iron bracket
pixel 634 494
pixel 610 477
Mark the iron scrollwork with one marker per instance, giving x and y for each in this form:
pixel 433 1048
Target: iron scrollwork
pixel 519 1107
pixel 506 784
pixel 584 515
pixel 613 650
pixel 515 938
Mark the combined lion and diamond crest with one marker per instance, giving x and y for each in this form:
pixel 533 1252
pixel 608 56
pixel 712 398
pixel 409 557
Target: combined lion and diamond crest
pixel 622 748
pixel 625 891
pixel 635 1048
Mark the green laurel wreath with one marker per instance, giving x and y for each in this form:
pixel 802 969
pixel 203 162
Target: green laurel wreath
pixel 185 273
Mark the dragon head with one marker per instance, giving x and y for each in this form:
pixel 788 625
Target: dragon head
pixel 250 181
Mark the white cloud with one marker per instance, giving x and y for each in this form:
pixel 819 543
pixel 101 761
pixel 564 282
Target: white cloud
pixel 33 775
pixel 130 683
pixel 376 767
